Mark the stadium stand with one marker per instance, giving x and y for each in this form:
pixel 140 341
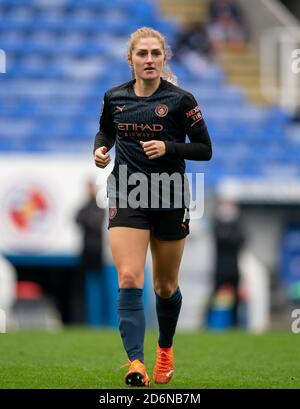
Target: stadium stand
pixel 63 54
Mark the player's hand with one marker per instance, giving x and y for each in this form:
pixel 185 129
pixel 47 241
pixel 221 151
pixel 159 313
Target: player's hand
pixel 101 157
pixel 154 149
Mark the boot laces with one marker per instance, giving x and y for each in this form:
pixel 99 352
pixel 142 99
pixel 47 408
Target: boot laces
pixel 164 362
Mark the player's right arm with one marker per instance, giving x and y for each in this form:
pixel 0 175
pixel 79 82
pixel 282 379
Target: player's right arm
pixel 105 137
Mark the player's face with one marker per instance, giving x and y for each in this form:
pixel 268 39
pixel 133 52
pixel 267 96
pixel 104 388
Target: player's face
pixel 147 58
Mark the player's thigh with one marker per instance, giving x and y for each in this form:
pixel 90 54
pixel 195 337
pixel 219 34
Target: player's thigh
pixel 166 259
pixel 129 249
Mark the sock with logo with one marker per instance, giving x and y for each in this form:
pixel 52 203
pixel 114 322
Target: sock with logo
pixel 132 322
pixel 167 310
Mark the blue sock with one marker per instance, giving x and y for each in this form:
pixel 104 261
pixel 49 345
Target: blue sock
pixel 132 322
pixel 168 310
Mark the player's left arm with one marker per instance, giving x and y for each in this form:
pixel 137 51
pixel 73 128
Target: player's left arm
pixel 194 126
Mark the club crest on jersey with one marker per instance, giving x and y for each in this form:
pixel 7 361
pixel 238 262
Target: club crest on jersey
pixel 161 110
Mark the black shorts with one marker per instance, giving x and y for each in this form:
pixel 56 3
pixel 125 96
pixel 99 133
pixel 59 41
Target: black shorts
pixel 163 224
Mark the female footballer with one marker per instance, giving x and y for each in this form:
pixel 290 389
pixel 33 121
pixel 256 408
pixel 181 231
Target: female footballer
pixel 148 118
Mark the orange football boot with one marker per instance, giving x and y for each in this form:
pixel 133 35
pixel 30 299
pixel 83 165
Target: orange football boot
pixel 137 375
pixel 164 365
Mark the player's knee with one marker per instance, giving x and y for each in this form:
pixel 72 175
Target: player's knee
pixel 165 290
pixel 128 279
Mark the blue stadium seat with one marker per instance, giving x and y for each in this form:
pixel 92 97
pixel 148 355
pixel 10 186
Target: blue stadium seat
pixel 62 57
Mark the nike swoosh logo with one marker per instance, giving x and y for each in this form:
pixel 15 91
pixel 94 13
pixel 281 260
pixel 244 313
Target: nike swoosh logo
pixel 120 107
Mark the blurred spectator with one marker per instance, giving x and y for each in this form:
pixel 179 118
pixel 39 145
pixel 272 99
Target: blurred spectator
pixel 193 38
pixel 217 8
pixel 227 27
pixel 193 48
pixel 90 219
pixel 229 240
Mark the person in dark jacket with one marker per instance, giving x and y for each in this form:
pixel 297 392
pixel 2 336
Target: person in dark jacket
pixel 90 219
pixel 229 239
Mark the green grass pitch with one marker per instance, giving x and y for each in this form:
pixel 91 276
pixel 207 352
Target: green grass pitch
pixel 87 358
